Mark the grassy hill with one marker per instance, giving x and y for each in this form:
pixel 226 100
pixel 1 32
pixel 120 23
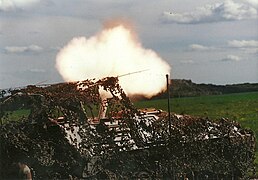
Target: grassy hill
pixel 187 88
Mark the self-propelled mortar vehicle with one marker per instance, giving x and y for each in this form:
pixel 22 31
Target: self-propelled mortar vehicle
pixel 66 131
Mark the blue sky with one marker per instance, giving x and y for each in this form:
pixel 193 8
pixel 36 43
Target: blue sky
pixel 205 41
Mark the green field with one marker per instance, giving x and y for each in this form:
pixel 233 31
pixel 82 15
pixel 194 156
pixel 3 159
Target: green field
pixel 240 107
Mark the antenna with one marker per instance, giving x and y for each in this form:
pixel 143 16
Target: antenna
pixel 40 83
pixel 168 94
pixel 127 74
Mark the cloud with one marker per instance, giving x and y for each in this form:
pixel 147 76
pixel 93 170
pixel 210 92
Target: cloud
pixel 225 11
pixel 10 5
pixel 198 47
pixel 253 3
pixel 243 44
pixel 250 46
pixel 231 58
pixel 23 49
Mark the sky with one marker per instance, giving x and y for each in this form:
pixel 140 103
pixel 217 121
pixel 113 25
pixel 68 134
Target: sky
pixel 202 40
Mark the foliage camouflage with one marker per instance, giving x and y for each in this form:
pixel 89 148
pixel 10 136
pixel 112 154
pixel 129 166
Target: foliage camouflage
pixel 195 147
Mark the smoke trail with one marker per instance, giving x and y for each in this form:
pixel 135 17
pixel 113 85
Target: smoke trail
pixel 114 51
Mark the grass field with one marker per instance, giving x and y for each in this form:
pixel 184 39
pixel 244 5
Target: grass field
pixel 241 107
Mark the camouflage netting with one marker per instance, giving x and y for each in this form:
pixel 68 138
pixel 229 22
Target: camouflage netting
pixel 138 147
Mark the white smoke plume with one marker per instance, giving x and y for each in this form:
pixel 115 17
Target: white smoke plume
pixel 115 51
